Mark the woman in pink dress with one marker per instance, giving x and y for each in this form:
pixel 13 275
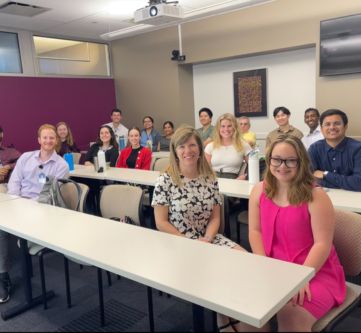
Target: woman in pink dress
pixel 292 220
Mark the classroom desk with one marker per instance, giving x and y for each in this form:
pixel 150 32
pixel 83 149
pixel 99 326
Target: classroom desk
pixel 30 301
pixel 341 199
pixel 242 285
pixel 235 188
pixel 6 197
pixel 346 200
pixel 160 154
pixel 124 175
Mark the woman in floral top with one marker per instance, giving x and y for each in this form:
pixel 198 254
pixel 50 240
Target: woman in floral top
pixel 186 198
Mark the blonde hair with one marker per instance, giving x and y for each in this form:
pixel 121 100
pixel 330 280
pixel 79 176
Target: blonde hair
pixel 181 136
pixel 300 189
pixel 69 137
pixel 236 137
pixel 47 126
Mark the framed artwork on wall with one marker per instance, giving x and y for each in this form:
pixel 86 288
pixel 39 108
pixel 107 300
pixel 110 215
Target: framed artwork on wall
pixel 250 93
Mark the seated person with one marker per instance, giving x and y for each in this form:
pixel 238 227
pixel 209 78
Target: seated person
pixel 227 152
pixel 150 137
pixel 67 144
pixel 32 168
pixel 206 131
pixel 312 120
pixel 134 156
pixel 293 220
pixel 337 158
pixel 8 158
pixel 27 180
pixel 120 131
pixel 282 116
pixel 106 142
pixel 246 134
pixel 168 130
pixel 186 197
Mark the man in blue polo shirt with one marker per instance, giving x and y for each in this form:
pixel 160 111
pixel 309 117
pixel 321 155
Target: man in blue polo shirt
pixel 336 159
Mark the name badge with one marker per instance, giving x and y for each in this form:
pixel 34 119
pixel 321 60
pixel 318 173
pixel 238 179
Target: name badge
pixel 42 178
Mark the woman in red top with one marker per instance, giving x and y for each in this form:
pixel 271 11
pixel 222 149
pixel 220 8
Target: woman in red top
pixel 134 156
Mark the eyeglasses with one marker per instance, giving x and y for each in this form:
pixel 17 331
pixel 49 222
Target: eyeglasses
pixel 290 163
pixel 335 123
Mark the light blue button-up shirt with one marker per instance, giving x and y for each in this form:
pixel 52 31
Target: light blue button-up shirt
pixel 25 180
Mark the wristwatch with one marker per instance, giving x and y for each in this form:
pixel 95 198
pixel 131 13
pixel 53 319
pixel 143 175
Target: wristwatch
pixel 325 174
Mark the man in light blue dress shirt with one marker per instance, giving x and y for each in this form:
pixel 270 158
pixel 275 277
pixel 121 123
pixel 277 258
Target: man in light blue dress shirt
pixel 27 181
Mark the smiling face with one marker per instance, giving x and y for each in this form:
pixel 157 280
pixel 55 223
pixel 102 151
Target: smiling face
pixel 47 140
pixel 188 154
pixel 105 135
pixel 147 123
pixel 279 169
pixel 116 117
pixel 62 131
pixel 134 138
pixel 168 130
pixel 333 128
pixel 282 119
pixel 205 119
pixel 226 129
pixel 312 119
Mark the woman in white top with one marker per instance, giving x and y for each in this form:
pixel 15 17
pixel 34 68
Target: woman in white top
pixel 227 152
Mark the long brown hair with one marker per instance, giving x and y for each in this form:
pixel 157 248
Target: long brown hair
pixel 300 189
pixel 181 136
pixel 236 137
pixel 69 137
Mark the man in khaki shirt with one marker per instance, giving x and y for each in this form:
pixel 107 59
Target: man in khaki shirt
pixel 282 115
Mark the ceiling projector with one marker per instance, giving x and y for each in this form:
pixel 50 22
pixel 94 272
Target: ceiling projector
pixel 159 13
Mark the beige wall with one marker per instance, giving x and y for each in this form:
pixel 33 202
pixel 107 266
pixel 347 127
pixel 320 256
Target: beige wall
pixel 149 83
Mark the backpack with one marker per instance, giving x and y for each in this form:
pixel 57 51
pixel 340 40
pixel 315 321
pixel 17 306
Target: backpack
pixel 51 193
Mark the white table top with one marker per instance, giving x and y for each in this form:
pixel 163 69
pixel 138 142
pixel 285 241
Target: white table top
pixel 141 177
pixel 241 285
pixel 6 197
pixel 347 200
pixel 341 199
pixel 235 188
pixel 160 154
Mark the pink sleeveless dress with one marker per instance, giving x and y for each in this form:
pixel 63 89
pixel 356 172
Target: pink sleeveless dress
pixel 287 235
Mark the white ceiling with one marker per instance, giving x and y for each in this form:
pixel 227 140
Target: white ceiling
pixel 89 19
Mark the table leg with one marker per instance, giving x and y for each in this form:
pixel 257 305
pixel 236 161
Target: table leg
pixel 198 318
pixel 30 302
pixel 152 218
pixel 227 226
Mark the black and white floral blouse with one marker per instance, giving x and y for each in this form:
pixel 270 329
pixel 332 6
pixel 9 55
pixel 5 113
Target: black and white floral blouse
pixel 190 206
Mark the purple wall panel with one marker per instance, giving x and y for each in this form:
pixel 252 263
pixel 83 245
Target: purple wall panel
pixel 28 102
